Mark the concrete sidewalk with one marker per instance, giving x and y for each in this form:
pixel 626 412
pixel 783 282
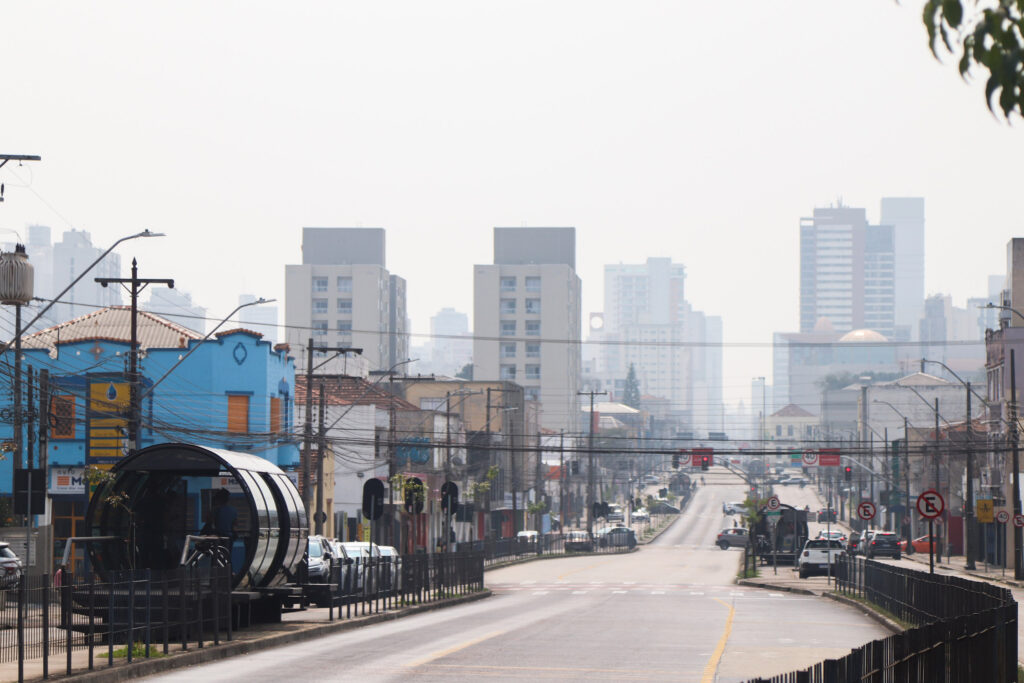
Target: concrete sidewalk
pixel 295 627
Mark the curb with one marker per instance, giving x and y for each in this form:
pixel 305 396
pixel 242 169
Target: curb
pixel 867 610
pixel 661 531
pixel 774 587
pixel 212 653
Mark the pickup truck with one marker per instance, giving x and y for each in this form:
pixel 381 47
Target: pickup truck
pixel 818 554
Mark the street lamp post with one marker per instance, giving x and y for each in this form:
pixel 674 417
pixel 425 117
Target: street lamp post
pixel 906 475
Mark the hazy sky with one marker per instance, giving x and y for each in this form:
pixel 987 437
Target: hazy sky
pixel 698 131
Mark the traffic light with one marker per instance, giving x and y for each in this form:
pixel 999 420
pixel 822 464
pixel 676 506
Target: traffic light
pixel 848 472
pixel 704 462
pixel 675 460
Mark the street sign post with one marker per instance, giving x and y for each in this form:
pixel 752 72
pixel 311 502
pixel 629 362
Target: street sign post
pixel 930 504
pixel 773 504
pixel 866 510
pixel 810 458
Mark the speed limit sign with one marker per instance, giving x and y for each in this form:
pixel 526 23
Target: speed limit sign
pixel 1002 516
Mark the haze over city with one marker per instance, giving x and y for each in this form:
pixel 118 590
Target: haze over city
pixel 699 133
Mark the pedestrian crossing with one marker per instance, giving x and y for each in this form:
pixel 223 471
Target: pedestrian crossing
pixel 629 588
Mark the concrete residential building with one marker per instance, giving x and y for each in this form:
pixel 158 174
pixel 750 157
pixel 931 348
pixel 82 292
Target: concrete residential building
pixel 847 272
pixel 177 306
pixel 527 319
pixel 262 318
pixel 343 295
pixel 906 216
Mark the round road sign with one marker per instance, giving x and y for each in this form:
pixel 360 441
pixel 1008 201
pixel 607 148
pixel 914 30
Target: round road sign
pixel 1002 516
pixel 930 504
pixel 1018 520
pixel 773 503
pixel 810 458
pixel 866 510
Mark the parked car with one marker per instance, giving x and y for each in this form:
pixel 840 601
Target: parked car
pixel 615 514
pixel 319 555
pixel 826 516
pixel 616 537
pixel 527 540
pixel 661 507
pixel 883 543
pixel 640 515
pixel 734 508
pixel 578 541
pixel 799 481
pixel 10 567
pixel 365 581
pixel 651 480
pixel 391 569
pixel 921 543
pixel 734 536
pixel 817 556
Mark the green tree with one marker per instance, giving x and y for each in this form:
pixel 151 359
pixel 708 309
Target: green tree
pixel 987 34
pixel 466 372
pixel 631 394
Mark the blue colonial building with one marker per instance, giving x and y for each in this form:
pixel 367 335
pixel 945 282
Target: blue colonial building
pixel 232 391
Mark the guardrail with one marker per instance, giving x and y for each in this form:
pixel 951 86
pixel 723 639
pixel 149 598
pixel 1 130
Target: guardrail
pixel 964 630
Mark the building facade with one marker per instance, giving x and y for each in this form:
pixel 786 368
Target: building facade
pixel 343 295
pixel 527 318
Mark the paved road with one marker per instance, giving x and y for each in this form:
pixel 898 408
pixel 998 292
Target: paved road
pixel 669 612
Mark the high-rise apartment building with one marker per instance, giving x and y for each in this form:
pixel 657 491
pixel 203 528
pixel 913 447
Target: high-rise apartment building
pixel 57 265
pixel 178 307
pixel 648 324
pixel 527 318
pixel 343 295
pixel 906 216
pixel 847 272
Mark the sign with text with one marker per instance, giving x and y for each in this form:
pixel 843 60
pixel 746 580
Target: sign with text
pixel 810 458
pixel 828 457
pixel 985 510
pixel 1002 516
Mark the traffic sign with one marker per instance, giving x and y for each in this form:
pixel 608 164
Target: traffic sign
pixel 866 510
pixel 930 504
pixel 373 499
pixel 1018 520
pixel 773 504
pixel 828 457
pixel 1002 516
pixel 984 510
pixel 810 458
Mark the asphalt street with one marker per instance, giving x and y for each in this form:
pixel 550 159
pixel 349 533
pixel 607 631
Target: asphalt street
pixel 668 612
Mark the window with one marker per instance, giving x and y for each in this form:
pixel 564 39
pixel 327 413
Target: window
pixel 432 403
pixel 789 430
pixel 508 284
pixel 345 326
pixel 319 306
pixel 532 372
pixel 508 372
pixel 533 350
pixel 344 306
pixel 508 349
pixel 344 284
pixel 238 414
pixel 319 328
pixel 276 416
pixel 778 430
pixel 508 307
pixel 532 284
pixel 319 284
pixel 531 393
pixel 533 306
pixel 533 328
pixel 64 413
pixel 508 328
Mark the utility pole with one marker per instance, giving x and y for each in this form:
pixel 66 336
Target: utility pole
pixel 906 479
pixel 135 285
pixel 969 516
pixel 561 479
pixel 590 460
pixel 938 481
pixel 1018 570
pixel 321 446
pixel 307 426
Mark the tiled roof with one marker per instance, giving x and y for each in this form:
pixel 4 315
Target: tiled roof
pixel 345 390
pixel 114 324
pixel 792 410
pixel 239 330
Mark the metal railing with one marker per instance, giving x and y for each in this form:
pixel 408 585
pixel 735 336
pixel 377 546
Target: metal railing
pixel 121 615
pixel 963 630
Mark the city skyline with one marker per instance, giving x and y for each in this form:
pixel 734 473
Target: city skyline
pixel 621 138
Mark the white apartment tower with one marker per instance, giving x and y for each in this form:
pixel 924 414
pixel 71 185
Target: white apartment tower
pixel 906 216
pixel 343 295
pixel 527 320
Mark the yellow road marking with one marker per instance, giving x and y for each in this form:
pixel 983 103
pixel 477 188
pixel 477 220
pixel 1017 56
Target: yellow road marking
pixel 462 646
pixel 712 665
pixel 583 569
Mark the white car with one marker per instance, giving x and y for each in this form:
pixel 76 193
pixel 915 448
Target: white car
pixel 640 515
pixel 733 508
pixel 818 555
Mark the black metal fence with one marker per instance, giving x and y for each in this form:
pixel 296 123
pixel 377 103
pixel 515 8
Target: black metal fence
pixel 119 616
pixel 964 630
pixel 505 549
pixel 362 586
